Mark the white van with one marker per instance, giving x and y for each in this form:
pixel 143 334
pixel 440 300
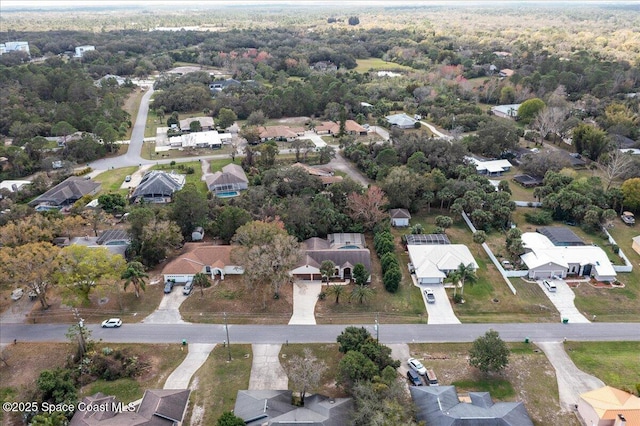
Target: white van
pixel 551 287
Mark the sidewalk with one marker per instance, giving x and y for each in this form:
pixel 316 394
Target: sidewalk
pixel 181 376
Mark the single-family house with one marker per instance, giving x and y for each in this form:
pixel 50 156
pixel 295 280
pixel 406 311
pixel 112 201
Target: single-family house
pixel 14 46
pixel 635 245
pixel 630 151
pixel 399 217
pixel 81 50
pixel 327 128
pixel 13 185
pixel 66 193
pixel 212 260
pixel 324 66
pixel 441 405
pixel 345 250
pixel 432 263
pixel 157 187
pixel 506 111
pixel 544 259
pixel 608 406
pixel 158 407
pixel 325 173
pixel 115 240
pixel 228 182
pixel 506 72
pixel 489 167
pixel 219 86
pixel 206 139
pixel 401 121
pixel 527 181
pixel 206 123
pixel 274 407
pixel 278 133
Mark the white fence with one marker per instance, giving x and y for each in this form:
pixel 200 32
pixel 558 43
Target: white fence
pixel 495 261
pixel 628 266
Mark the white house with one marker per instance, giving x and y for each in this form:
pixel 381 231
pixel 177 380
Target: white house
pixel 490 167
pixel 432 263
pixel 635 245
pixel 13 185
pixel 399 217
pixel 506 111
pixel 210 260
pixel 544 259
pixel 208 139
pixel 80 50
pixel 14 46
pixel 401 121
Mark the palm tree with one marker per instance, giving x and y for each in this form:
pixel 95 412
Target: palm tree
pixel 361 293
pixel 327 269
pixel 336 290
pixel 135 275
pixel 465 273
pixel 201 280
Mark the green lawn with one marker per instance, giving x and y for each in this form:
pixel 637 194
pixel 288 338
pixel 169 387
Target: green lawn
pixel 112 179
pixel 498 388
pixel 375 64
pixel 195 177
pixel 617 364
pixel 216 384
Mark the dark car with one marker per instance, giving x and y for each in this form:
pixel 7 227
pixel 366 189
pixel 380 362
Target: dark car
pixel 414 378
pixel 168 286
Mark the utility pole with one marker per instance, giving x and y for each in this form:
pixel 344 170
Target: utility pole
pixel 377 327
pixel 81 342
pixel 226 327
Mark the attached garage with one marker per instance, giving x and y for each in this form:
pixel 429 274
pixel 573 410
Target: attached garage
pixel 306 273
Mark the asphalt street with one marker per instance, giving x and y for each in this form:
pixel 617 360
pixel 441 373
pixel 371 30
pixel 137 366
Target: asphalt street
pixel 274 334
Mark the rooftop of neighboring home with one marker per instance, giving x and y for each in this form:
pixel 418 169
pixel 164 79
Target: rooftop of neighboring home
pixel 200 139
pixel 275 132
pixel 230 174
pixel 67 192
pixel 433 260
pixel 197 256
pixel 400 214
pixel 204 122
pixel 608 403
pixel 441 406
pixel 159 183
pixel 13 185
pixel 510 110
pixel 489 166
pixel 400 120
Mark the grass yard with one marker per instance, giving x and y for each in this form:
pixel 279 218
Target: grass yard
pixel 365 65
pixel 132 106
pixel 243 305
pixel 324 352
pixel 112 179
pixel 162 359
pixel 195 177
pixel 617 364
pixel 215 385
pixel 529 377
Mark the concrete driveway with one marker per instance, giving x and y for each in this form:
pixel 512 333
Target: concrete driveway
pixel 400 351
pixel 313 137
pixel 305 296
pixel 440 312
pixel 562 299
pixel 168 311
pixel 181 376
pixel 136 177
pixel 266 371
pixel 571 380
pixel 345 166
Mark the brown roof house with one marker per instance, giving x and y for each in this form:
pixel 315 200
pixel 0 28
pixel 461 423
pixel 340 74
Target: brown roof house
pixel 159 407
pixel 609 406
pixel 66 193
pixel 228 182
pixel 208 259
pixel 345 250
pixel 351 127
pixel 325 173
pixel 278 133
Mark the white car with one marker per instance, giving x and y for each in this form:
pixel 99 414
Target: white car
pixel 17 294
pixel 416 366
pixel 111 323
pixel 428 293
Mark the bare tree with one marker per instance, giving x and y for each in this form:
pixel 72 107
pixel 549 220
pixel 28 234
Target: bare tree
pixel 549 120
pixel 305 372
pixel 617 166
pixel 368 207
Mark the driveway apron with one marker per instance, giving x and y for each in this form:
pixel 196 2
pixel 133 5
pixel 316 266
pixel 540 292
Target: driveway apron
pixel 305 296
pixel 266 370
pixel 181 376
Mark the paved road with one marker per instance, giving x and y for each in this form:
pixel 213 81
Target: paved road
pixel 275 334
pixel 346 166
pixel 435 131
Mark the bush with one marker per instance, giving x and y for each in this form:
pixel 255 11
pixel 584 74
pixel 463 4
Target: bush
pixel 539 217
pixel 389 260
pixel 322 295
pixel 615 248
pixel 457 298
pixel 479 237
pixel 391 279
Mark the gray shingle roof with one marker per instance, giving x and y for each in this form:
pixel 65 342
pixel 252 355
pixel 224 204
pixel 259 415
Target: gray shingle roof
pixel 341 257
pixel 67 192
pixel 158 183
pixel 400 214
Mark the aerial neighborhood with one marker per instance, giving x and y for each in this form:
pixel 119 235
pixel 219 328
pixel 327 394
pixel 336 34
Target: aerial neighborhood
pixel 254 214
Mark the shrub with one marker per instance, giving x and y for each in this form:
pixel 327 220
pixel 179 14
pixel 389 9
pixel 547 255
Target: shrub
pixel 457 298
pixel 615 248
pixel 322 295
pixel 539 217
pixel 479 237
pixel 391 279
pixel 389 260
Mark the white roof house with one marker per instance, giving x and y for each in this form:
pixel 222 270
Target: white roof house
pixel 506 111
pixel 14 46
pixel 80 50
pixel 544 259
pixel 209 139
pixel 490 167
pixel 13 185
pixel 432 263
pixel 403 121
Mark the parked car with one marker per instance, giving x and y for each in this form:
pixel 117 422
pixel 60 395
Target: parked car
pixel 414 378
pixel 551 287
pixel 168 286
pixel 112 323
pixel 17 294
pixel 188 288
pixel 127 178
pixel 428 293
pixel 628 218
pixel 432 380
pixel 416 366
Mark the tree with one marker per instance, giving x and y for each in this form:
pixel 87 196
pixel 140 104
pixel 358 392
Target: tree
pixel 229 419
pixel 529 109
pixel 112 202
pixel 479 237
pixel 493 137
pixel 201 280
pixel 64 129
pixel 229 220
pixel 489 353
pixel 618 164
pixel 382 402
pixel 336 290
pixel 368 207
pixel 135 274
pixel 82 268
pixel 31 263
pixel 251 134
pixel 57 386
pixel 391 279
pixel 402 188
pixel 444 221
pixel 514 243
pixel 256 118
pixel 189 209
pixel 326 153
pixel 590 141
pixel 268 152
pixel 354 20
pixel 462 274
pixel 267 253
pixel 305 372
pixel 352 338
pixel 631 193
pixel 158 237
pixel 360 274
pixel 549 120
pixel 226 118
pixel 361 293
pixel 195 126
pixel 355 367
pixel 327 269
